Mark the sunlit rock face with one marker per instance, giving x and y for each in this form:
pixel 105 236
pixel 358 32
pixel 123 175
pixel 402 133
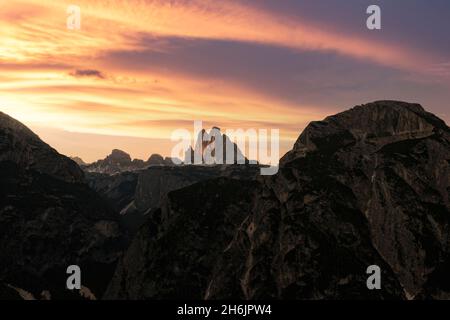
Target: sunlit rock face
pixel 369 186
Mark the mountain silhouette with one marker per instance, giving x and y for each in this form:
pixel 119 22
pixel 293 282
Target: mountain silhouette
pixel 50 219
pixel 21 146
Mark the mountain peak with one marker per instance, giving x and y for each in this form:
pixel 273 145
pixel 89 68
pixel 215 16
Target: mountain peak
pixel 207 141
pixel 156 159
pixel 386 117
pixel 379 122
pixel 119 155
pixel 117 161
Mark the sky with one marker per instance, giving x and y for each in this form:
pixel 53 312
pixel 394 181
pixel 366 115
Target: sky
pixel 138 70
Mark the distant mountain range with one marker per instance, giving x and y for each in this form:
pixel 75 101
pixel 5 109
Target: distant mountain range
pixel 119 161
pixel 368 186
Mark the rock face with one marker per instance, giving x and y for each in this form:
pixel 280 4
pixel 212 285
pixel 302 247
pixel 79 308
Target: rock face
pixel 156 182
pixel 369 186
pixel 185 239
pixel 135 194
pixel 118 189
pixel 394 159
pixel 50 219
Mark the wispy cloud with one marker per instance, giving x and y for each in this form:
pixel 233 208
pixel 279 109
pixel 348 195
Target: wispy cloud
pixel 88 73
pixel 120 24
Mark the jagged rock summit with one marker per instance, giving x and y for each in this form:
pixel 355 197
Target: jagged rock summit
pixel 206 145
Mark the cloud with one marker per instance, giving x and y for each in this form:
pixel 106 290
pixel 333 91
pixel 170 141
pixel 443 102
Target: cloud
pixel 88 73
pixel 441 69
pixel 121 25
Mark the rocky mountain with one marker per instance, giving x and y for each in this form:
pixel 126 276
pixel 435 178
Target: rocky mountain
pixel 50 219
pixel 368 186
pixel 135 187
pixel 212 148
pixel 119 161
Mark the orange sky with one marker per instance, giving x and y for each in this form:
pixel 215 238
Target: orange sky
pixel 68 86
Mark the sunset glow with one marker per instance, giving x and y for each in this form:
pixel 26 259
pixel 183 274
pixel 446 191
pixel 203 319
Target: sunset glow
pixel 141 69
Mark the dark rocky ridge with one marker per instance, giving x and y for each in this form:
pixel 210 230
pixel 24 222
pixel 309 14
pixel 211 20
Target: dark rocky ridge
pixel 134 194
pixel 50 219
pixel 20 145
pixel 367 186
pixel 8 293
pixel 156 182
pixel 119 189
